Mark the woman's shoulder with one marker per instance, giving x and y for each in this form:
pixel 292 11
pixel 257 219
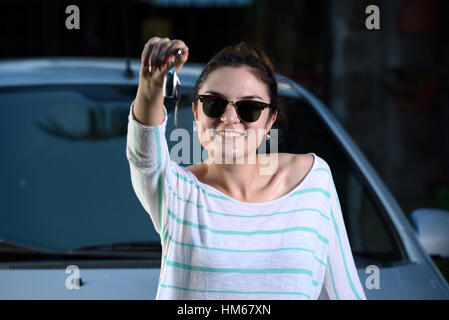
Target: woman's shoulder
pixel 296 165
pixel 198 170
pixel 297 161
pixel 293 161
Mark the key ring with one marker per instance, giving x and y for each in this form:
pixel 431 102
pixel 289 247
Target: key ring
pixel 172 61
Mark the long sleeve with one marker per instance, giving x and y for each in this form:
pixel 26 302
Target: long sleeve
pixel 341 281
pixel 148 156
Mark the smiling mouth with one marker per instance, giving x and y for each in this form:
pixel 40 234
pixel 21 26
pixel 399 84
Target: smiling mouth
pixel 230 133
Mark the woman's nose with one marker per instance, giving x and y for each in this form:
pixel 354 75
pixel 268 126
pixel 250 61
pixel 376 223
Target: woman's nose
pixel 230 114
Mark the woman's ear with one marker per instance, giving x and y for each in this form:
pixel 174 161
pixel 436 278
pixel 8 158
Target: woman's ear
pixel 272 119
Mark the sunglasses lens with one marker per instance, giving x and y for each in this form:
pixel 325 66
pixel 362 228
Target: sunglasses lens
pixel 213 107
pixel 249 111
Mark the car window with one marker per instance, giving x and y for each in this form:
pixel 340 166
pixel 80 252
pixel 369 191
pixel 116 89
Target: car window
pixel 66 181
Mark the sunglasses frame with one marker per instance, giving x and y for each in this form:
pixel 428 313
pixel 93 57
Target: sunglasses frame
pixel 261 105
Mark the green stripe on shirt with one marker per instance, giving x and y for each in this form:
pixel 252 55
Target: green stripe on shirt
pixel 159 181
pixel 245 233
pixel 332 278
pixel 189 181
pixel 320 190
pixel 239 270
pixel 343 256
pixel 241 251
pixel 234 291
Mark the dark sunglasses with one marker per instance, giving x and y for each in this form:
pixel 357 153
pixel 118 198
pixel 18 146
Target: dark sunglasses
pixel 247 110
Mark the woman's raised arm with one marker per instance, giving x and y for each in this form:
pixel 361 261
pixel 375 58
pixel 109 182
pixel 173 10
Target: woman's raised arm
pixel 147 151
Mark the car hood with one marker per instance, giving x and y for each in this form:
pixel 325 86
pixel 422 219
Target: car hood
pixel 97 284
pixel 404 282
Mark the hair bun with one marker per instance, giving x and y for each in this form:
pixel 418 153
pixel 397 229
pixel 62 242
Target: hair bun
pixel 256 52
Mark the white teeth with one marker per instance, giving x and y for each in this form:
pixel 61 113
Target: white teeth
pixel 230 134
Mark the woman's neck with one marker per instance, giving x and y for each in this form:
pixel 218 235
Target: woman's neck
pixel 238 180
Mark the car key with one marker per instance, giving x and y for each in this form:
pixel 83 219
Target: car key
pixel 172 85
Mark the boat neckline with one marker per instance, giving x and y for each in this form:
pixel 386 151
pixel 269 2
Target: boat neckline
pixel 282 197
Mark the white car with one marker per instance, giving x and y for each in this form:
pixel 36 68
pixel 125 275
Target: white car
pixel 71 226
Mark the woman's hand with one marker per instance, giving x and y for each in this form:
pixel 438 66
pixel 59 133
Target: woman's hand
pixel 157 57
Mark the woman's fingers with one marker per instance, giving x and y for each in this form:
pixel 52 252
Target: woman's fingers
pixel 158 55
pixel 165 53
pixel 173 49
pixel 154 56
pixel 147 50
pixel 162 58
pixel 182 58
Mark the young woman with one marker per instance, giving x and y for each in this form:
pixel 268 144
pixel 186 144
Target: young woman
pixel 228 230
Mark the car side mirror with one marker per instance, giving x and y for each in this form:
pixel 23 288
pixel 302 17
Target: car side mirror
pixel 432 229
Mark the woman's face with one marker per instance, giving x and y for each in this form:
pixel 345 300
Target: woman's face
pixel 243 138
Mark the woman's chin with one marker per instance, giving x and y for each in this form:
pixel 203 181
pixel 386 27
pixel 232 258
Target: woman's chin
pixel 232 150
pixel 233 157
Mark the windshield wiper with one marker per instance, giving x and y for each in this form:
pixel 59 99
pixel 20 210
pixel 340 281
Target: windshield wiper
pixel 137 249
pixel 118 250
pixel 137 246
pixel 14 251
pixel 11 246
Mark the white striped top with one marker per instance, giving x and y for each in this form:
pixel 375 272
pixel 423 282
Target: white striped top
pixel 216 247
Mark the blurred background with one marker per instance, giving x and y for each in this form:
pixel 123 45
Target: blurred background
pixel 388 87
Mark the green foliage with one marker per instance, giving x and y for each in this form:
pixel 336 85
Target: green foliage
pixel 441 198
pixel 443 266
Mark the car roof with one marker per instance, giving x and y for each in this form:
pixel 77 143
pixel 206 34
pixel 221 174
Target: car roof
pixel 94 70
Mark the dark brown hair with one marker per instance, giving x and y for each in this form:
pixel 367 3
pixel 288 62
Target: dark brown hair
pixel 259 64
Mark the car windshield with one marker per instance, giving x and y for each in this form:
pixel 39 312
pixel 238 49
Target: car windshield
pixel 66 180
pixel 65 177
